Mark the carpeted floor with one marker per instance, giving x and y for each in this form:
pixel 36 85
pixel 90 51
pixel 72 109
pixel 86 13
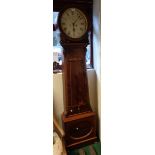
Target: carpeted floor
pixel 93 149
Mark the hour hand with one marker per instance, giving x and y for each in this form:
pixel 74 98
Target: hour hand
pixel 73 28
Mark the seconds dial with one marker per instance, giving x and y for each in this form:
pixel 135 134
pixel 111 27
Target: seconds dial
pixel 73 23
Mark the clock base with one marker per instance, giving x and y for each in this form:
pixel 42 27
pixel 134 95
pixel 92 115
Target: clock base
pixel 80 129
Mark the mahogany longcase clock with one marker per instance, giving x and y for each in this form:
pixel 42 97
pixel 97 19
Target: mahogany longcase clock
pixel 78 119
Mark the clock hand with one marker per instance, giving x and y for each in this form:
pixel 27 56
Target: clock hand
pixel 76 20
pixel 73 29
pixel 74 25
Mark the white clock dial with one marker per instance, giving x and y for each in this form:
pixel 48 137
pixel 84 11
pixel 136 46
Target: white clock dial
pixel 74 23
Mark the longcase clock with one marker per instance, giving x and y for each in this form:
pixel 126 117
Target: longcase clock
pixel 79 120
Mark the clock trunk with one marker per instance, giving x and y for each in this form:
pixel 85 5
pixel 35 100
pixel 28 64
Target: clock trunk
pixel 76 93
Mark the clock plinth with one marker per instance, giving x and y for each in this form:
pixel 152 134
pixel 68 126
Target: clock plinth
pixel 79 129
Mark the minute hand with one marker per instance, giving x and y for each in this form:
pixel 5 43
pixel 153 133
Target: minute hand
pixel 76 20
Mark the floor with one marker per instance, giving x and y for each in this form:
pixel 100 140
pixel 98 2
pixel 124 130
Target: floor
pixel 93 149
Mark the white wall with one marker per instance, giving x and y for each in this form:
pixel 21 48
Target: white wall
pixel 58 106
pixel 97 51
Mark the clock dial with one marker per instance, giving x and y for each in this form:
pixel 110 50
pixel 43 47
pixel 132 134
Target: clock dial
pixel 73 23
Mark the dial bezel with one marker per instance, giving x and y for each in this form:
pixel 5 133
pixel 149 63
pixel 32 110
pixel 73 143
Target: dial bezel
pixel 61 29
